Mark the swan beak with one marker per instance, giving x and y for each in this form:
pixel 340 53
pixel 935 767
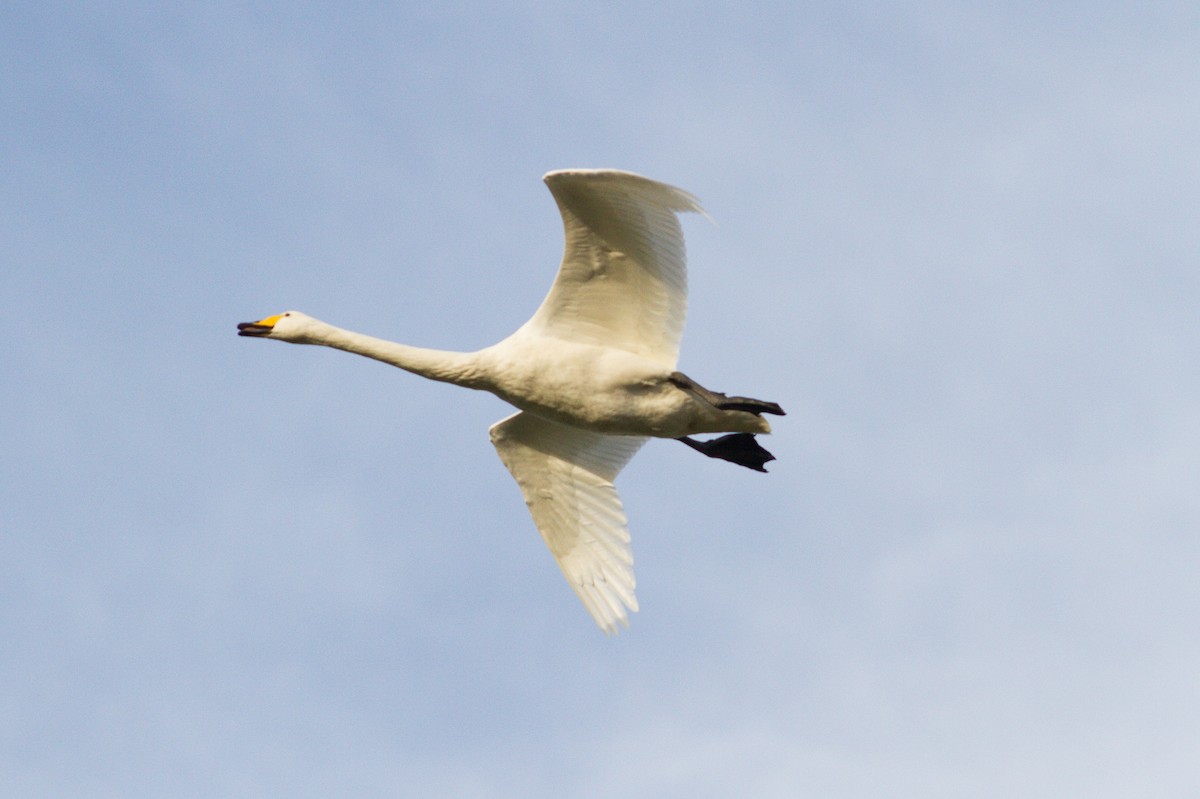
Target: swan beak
pixel 262 327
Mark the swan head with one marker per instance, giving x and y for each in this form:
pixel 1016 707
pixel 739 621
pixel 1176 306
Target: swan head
pixel 288 326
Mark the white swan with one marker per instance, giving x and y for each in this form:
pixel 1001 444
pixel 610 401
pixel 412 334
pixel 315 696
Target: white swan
pixel 593 374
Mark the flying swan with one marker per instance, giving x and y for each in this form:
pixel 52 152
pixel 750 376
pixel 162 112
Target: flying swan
pixel 592 373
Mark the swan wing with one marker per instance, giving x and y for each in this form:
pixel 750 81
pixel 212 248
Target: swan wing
pixel 623 278
pixel 566 476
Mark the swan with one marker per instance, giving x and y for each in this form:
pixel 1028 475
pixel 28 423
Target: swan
pixel 592 375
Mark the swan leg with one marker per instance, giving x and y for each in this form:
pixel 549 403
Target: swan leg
pixel 722 401
pixel 739 448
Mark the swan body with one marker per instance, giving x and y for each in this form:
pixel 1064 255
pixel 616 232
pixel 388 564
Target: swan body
pixel 592 374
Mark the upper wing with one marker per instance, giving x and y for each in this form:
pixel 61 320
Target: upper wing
pixel 623 278
pixel 566 477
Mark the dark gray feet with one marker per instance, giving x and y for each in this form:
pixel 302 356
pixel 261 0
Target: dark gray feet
pixel 722 401
pixel 739 448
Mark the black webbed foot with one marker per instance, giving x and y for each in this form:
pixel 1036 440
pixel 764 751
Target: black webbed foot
pixel 757 407
pixel 723 401
pixel 739 448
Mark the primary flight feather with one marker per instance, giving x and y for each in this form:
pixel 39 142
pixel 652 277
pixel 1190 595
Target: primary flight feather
pixel 592 372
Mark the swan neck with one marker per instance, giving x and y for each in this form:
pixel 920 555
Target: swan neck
pixel 443 365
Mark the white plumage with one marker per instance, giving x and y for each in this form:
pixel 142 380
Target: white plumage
pixel 592 372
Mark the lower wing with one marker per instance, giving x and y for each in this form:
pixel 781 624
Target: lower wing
pixel 566 476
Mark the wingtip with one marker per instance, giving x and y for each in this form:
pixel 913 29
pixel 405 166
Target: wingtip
pixel 613 628
pixel 608 605
pixel 673 197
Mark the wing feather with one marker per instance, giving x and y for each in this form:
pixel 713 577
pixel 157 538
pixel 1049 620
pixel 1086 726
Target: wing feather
pixel 623 278
pixel 566 476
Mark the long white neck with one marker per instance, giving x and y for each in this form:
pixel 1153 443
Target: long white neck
pixel 460 368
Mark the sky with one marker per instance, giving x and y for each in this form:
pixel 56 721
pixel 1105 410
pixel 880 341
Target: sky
pixel 956 241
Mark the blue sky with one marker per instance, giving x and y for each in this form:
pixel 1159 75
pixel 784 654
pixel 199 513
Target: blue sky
pixel 957 243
